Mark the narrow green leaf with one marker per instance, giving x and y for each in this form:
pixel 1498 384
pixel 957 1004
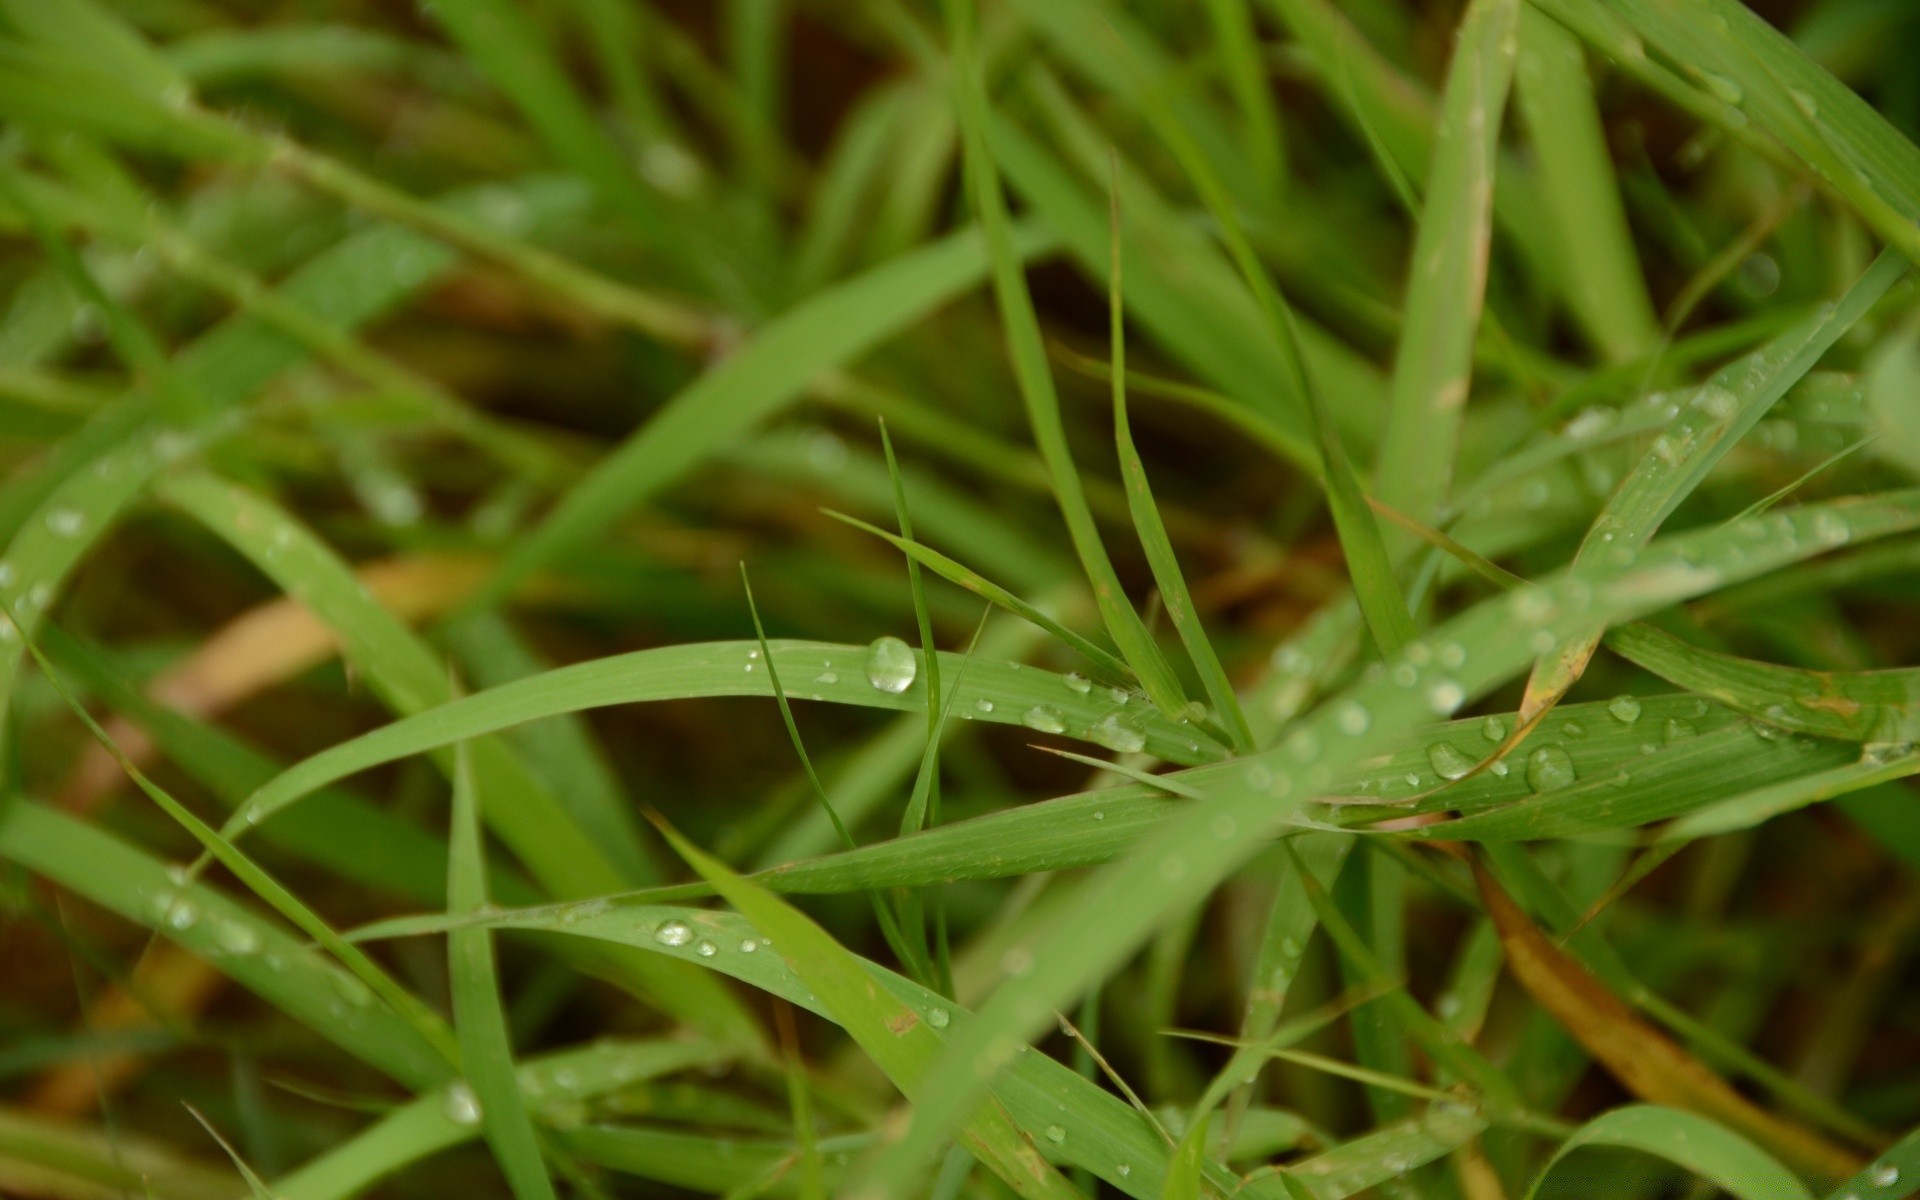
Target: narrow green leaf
pixel 1035 378
pixel 486 1048
pixel 1700 1146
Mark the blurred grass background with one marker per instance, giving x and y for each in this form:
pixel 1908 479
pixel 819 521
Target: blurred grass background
pixel 537 318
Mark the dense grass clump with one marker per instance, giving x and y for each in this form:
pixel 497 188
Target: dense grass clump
pixel 1168 598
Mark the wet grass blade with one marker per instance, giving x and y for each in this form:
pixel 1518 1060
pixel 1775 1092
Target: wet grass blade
pixel 895 1036
pixel 1855 706
pixel 1701 433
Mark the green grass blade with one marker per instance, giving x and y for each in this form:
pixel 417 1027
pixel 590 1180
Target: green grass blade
pixel 1035 378
pixel 1447 273
pixel 486 1048
pixel 1012 694
pixel 1601 271
pixel 1702 1147
pixel 1152 531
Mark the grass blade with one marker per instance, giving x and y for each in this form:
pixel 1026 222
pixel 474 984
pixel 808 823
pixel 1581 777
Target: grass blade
pixel 486 1048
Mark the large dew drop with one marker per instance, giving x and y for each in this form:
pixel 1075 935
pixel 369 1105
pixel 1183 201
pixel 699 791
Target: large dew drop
pixel 1625 709
pixel 1078 682
pixel 1115 734
pixel 1549 768
pixel 1045 718
pixel 1448 762
pixel 890 665
pixel 462 1106
pixel 673 933
pixel 939 1018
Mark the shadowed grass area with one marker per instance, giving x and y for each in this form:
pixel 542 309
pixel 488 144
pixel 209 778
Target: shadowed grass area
pixel 1331 599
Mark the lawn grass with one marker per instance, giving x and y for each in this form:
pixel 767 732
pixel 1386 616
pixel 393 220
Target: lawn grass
pixel 1178 599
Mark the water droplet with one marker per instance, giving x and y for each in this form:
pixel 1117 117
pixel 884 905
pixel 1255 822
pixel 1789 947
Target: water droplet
pixel 891 665
pixel 673 933
pixel 1589 422
pixel 1549 768
pixel 984 705
pixel 1078 682
pixel 1830 529
pixel 1098 815
pixel 826 453
pixel 352 991
pixel 1122 695
pixel 1676 730
pixel 1303 746
pixel 1445 696
pixel 939 1018
pixel 1573 729
pixel 236 937
pixel 1884 1175
pixel 1044 718
pixel 1625 709
pixel 1115 734
pixel 1500 768
pixel 461 1107
pixel 66 522
pixel 1406 674
pixel 828 677
pixel 1354 719
pixel 1448 762
pixel 706 949
pixel 1722 87
pixel 1716 401
pixel 1493 728
pixel 749 946
pixel 1056 1134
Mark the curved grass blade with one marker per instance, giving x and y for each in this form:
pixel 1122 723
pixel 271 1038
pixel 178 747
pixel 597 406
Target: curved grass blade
pixel 1118 906
pixel 1703 1147
pixel 1005 693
